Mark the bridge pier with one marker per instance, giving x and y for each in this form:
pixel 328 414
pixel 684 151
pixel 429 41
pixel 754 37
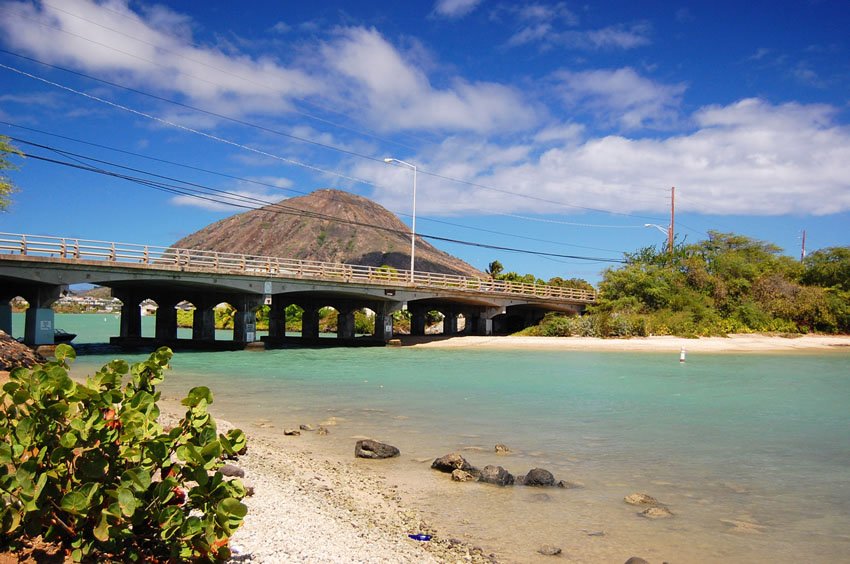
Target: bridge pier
pixel 39 321
pixel 203 321
pixel 450 322
pixel 383 320
pixel 277 318
pixel 345 323
pixel 166 319
pixel 309 321
pixel 417 321
pixel 245 318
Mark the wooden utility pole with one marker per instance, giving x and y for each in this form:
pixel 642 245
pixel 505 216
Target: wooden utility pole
pixel 672 229
pixel 803 248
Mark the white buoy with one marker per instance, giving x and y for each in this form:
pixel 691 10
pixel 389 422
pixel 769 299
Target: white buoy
pixel 682 355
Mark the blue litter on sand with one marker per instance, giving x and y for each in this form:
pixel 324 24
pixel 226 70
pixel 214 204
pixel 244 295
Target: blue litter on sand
pixel 420 537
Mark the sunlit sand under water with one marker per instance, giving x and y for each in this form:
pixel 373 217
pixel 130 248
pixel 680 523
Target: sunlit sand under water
pixel 749 453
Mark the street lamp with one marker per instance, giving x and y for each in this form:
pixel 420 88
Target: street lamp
pixel 667 231
pixel 390 160
pixel 664 230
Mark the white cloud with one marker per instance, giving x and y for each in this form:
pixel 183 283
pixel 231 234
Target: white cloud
pixel 622 96
pixel 548 25
pixel 611 37
pixel 281 27
pixel 455 8
pixel 395 95
pixel 154 52
pixel 747 158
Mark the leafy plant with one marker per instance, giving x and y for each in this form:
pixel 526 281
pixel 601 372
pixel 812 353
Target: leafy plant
pixel 90 467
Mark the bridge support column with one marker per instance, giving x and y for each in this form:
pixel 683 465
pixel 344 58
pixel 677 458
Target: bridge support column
pixel 481 326
pixel 245 319
pixel 450 323
pixel 203 321
pixel 277 318
pixel 345 323
pixel 166 320
pixel 6 318
pixel 310 322
pixel 38 324
pixel 38 327
pixel 383 322
pixel 131 314
pixel 481 321
pixel 417 321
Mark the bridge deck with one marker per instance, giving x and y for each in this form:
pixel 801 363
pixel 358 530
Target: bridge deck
pixel 103 254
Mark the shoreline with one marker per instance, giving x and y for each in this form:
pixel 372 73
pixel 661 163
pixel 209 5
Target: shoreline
pixel 739 343
pixel 316 502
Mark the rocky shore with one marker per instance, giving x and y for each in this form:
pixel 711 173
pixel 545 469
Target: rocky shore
pixel 14 354
pixel 306 509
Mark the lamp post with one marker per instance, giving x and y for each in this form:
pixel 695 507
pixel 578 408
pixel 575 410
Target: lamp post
pixel 665 230
pixel 390 160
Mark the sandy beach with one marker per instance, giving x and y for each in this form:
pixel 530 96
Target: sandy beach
pixel 731 344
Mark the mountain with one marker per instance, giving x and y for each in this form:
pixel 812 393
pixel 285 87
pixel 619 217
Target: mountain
pixel 299 228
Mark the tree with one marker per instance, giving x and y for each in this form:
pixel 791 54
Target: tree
pixel 829 268
pixel 494 269
pixel 7 187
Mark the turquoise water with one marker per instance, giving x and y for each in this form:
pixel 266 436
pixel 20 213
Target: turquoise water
pixel 99 327
pixel 751 452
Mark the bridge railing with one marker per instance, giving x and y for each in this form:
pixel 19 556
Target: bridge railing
pixel 72 249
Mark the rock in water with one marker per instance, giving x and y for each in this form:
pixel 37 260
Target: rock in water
pixel 640 499
pixel 459 475
pixel 451 462
pixel 502 449
pixel 539 477
pixel 496 475
pixel 322 431
pixel 636 560
pixel 304 427
pixel 656 513
pixel 549 550
pixel 373 449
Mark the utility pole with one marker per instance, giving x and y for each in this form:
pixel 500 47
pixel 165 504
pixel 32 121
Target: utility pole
pixel 803 248
pixel 672 229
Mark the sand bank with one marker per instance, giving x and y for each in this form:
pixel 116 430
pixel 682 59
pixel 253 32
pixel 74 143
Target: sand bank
pixel 731 344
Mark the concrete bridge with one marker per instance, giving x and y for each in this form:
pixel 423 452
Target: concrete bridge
pixel 40 269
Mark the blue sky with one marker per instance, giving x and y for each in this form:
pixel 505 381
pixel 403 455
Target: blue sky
pixel 553 127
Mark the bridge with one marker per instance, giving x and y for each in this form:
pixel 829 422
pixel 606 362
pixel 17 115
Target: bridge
pixel 40 268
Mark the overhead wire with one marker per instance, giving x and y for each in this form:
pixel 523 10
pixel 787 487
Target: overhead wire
pixel 269 130
pixel 266 184
pixel 288 210
pixel 207 65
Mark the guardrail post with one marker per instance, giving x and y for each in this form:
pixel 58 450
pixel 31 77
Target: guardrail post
pixel 146 256
pixel 62 249
pixel 112 253
pixel 23 245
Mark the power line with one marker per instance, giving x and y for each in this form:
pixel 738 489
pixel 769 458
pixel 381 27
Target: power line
pixel 207 65
pixel 452 224
pixel 288 210
pixel 263 128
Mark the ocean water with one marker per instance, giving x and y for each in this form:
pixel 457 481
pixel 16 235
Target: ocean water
pixel 750 452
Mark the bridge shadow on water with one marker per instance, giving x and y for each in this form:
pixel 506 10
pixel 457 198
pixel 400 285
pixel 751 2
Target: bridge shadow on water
pixel 148 344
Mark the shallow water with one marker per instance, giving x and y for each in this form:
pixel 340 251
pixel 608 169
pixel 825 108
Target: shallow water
pixel 750 452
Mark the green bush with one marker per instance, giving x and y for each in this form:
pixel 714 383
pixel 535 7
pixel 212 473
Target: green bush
pixel 89 466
